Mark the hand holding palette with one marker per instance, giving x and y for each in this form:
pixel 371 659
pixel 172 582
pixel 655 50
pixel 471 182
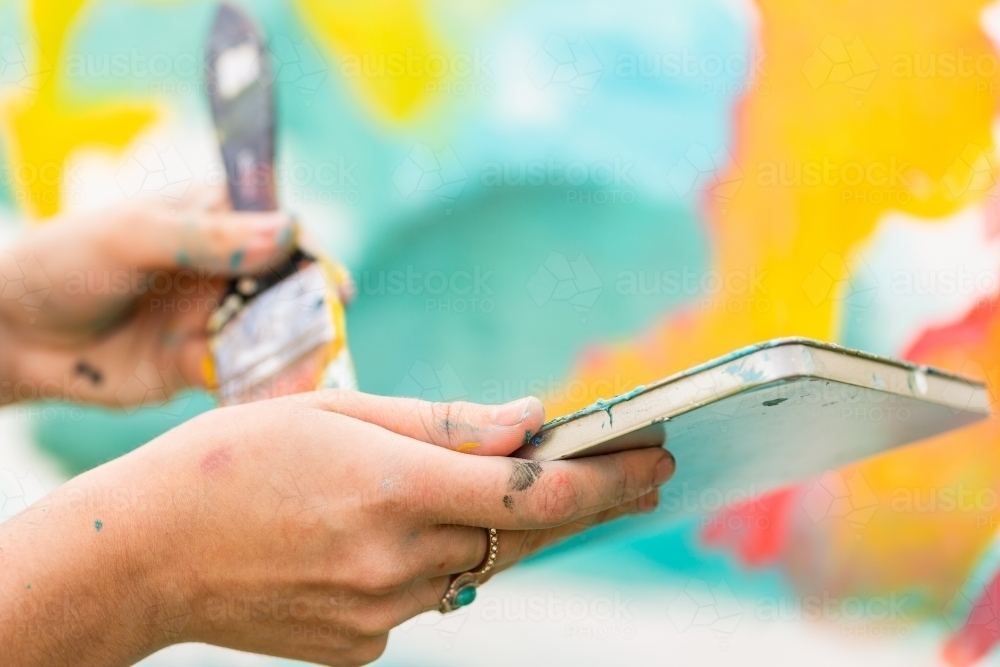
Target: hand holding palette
pixel 769 415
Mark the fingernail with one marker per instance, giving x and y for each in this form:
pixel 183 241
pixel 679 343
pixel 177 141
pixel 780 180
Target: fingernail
pixel 664 469
pixel 511 414
pixel 271 223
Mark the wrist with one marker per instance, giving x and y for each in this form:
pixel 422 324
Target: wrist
pixel 82 576
pixel 9 346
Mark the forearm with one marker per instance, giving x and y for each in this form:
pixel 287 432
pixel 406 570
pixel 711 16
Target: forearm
pixel 8 357
pixel 75 587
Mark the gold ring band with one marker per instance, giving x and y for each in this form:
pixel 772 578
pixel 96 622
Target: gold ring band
pixel 462 589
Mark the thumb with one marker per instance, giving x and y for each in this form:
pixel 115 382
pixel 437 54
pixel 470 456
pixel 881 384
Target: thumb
pixel 489 430
pixel 230 242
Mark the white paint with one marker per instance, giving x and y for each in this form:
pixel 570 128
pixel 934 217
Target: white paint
pixel 160 166
pixel 26 473
pixel 237 68
pixel 989 20
pixel 929 272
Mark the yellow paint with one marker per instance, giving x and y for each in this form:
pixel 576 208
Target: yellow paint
pixel 384 49
pixel 824 104
pixel 42 129
pixel 468 447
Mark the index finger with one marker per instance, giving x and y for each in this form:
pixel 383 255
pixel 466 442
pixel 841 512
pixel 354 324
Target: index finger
pixel 513 494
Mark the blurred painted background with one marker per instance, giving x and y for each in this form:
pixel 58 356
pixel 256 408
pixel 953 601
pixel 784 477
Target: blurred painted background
pixel 568 199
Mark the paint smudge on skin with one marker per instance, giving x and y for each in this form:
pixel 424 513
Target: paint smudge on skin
pixel 98 524
pixel 217 461
pixel 773 402
pixel 171 338
pixel 508 502
pixel 467 447
pixel 86 370
pixel 183 259
pixel 236 259
pixel 524 475
pixel 527 437
pixel 287 235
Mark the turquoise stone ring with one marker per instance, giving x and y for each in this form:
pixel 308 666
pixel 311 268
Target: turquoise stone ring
pixel 465 596
pixel 462 588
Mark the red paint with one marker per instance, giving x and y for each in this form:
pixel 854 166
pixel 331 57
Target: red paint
pixel 757 530
pixel 979 634
pixel 970 331
pixel 217 461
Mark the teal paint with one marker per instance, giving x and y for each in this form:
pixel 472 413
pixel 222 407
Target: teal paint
pixel 600 404
pixel 236 259
pixel 98 524
pixel 669 551
pixel 6 184
pixel 508 235
pixel 89 436
pixel 745 371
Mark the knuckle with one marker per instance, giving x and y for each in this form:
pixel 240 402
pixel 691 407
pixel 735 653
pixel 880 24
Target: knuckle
pixel 410 496
pixel 381 577
pixel 627 480
pixel 445 421
pixel 556 500
pixel 368 650
pixel 375 623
